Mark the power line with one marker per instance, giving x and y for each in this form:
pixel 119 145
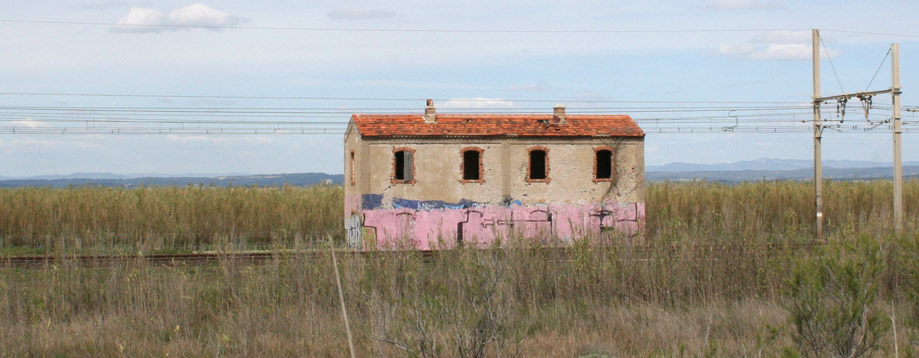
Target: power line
pixel 164 118
pixel 338 131
pixel 301 113
pixel 754 122
pixel 432 30
pixel 653 116
pixel 262 118
pixel 170 131
pixel 385 30
pixel 878 70
pixel 189 127
pixel 376 109
pixel 33 122
pixel 872 33
pixel 830 58
pixel 376 98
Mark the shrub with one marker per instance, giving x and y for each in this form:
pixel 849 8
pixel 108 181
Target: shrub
pixel 832 300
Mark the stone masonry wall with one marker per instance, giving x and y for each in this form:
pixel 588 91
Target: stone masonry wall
pixel 440 209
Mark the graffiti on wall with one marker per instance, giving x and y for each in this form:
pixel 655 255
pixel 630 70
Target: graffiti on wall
pixel 426 225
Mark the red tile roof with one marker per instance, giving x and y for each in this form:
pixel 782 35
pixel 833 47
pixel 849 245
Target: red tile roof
pixel 489 125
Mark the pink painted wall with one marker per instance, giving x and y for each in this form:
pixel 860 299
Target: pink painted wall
pixel 352 204
pixel 482 226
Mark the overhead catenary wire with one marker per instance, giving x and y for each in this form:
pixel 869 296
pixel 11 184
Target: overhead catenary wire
pixel 658 115
pixel 650 125
pixel 878 70
pixel 304 111
pixel 342 114
pixel 421 100
pixel 263 115
pixel 378 109
pixel 765 123
pixel 871 33
pixel 325 131
pixel 331 119
pixel 293 120
pixel 121 25
pixel 436 30
pixel 833 67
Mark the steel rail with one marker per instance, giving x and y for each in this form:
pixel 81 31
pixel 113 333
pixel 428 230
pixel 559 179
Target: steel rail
pixel 639 252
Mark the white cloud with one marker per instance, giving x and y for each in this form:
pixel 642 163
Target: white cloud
pixel 360 14
pixel 742 5
pixel 141 20
pixel 476 102
pixel 201 15
pixel 192 16
pixel 29 123
pixel 775 45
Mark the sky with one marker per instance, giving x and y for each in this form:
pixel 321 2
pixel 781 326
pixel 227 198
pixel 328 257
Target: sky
pixel 640 58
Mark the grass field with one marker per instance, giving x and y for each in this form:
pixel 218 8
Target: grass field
pixel 171 219
pixel 722 273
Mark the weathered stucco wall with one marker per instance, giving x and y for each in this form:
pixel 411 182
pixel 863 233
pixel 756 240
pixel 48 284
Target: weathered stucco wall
pixel 352 171
pixel 438 173
pixel 439 209
pixel 353 175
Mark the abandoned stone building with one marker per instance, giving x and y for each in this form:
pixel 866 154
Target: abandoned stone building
pixel 431 181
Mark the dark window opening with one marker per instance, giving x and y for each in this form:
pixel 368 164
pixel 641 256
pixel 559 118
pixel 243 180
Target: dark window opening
pixel 403 165
pixel 538 164
pixel 351 168
pixel 471 165
pixel 400 165
pixel 604 164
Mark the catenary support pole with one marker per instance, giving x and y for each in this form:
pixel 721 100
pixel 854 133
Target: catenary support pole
pixel 897 155
pixel 818 133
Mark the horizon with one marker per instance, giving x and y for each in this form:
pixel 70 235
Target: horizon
pixel 71 175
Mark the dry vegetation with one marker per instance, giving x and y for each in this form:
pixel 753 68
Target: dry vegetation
pixel 722 273
pixel 164 219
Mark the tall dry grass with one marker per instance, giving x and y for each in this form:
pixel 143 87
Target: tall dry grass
pixel 195 218
pixel 779 210
pixel 165 218
pixel 711 279
pixel 599 300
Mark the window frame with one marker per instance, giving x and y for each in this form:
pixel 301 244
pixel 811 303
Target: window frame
pixel 481 152
pixel 612 164
pixel 530 151
pixel 392 176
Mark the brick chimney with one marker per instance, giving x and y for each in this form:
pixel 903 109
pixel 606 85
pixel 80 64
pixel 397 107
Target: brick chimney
pixel 558 114
pixel 430 115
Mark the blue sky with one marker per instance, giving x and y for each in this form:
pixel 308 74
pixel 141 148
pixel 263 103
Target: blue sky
pixel 506 68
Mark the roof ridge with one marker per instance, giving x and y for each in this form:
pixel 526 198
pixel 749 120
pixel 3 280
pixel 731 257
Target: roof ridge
pixel 492 124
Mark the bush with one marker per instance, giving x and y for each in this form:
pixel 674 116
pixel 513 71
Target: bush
pixel 832 300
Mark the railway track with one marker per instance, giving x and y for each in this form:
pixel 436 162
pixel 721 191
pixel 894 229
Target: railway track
pixel 190 259
pixel 262 257
pixel 102 261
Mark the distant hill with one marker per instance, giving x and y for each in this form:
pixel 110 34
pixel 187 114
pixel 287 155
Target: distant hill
pixel 776 169
pixel 770 164
pixel 74 176
pixel 114 180
pixel 750 170
pixel 106 175
pixel 727 176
